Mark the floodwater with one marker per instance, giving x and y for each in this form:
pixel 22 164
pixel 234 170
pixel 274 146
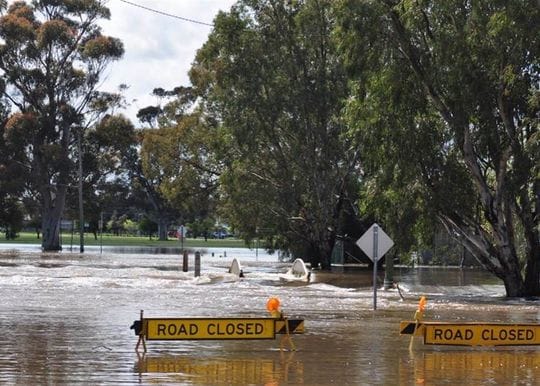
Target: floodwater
pixel 65 320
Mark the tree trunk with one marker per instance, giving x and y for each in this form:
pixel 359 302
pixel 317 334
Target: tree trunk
pixel 320 253
pixel 326 251
pixel 51 233
pixel 532 249
pixel 53 207
pixel 491 239
pixel 163 226
pixel 532 271
pixel 503 261
pixel 513 283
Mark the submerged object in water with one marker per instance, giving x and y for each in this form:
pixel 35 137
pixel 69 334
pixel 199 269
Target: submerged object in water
pixel 297 272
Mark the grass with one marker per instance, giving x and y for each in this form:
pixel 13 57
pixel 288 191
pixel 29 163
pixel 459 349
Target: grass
pixel 130 241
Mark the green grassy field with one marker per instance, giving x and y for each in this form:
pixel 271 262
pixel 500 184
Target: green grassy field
pixel 135 241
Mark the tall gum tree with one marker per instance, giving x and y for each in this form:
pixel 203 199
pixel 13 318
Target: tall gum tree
pixel 175 165
pixel 13 176
pixel 52 54
pixel 458 82
pixel 269 75
pixel 106 144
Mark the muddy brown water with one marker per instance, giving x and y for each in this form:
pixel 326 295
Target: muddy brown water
pixel 65 320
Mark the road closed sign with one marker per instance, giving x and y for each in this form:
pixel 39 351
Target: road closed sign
pixel 203 328
pixel 469 334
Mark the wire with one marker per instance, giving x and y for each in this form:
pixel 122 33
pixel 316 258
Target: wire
pixel 166 14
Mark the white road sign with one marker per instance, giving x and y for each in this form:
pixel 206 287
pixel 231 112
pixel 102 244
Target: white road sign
pixel 373 235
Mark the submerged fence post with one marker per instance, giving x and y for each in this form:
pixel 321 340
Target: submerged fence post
pixel 197 264
pixel 185 262
pixel 389 271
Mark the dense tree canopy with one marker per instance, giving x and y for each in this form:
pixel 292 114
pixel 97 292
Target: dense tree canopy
pixel 52 54
pixel 446 112
pixel 270 75
pixel 175 164
pixel 303 119
pixel 13 177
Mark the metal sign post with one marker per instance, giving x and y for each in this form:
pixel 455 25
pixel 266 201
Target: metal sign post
pixel 375 259
pixel 375 243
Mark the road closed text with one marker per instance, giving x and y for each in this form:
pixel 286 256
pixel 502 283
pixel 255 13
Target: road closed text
pixel 180 329
pixel 482 335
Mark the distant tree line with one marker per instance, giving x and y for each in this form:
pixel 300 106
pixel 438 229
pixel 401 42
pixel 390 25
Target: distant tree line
pixel 305 122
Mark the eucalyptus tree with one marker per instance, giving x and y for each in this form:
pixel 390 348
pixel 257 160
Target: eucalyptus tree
pixel 12 178
pixel 270 76
pixel 176 166
pixel 106 145
pixel 446 111
pixel 52 55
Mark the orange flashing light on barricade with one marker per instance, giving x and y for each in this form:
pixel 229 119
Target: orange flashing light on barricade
pixel 469 333
pixel 418 316
pixel 273 306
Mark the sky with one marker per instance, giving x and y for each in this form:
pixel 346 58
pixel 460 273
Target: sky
pixel 159 50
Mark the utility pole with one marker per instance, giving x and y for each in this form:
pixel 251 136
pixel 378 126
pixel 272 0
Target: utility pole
pixel 101 233
pixel 81 213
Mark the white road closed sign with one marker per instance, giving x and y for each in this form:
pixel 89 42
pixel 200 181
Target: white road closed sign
pixel 375 236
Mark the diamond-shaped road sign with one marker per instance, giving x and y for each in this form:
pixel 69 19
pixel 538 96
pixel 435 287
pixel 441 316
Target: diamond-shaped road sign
pixel 366 242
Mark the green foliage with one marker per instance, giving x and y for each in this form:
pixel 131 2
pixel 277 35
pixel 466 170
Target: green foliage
pixel 149 115
pixel 270 76
pixel 148 227
pixel 105 145
pixel 114 133
pixel 177 162
pixel 11 217
pixel 201 227
pixel 12 175
pixel 101 46
pixel 130 226
pixel 441 110
pixel 176 166
pixel 52 54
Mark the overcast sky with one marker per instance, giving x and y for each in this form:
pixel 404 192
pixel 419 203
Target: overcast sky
pixel 159 49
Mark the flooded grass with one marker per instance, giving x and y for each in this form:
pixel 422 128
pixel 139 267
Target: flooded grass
pixel 128 241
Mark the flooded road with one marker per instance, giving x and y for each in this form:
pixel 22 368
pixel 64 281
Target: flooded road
pixel 65 320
